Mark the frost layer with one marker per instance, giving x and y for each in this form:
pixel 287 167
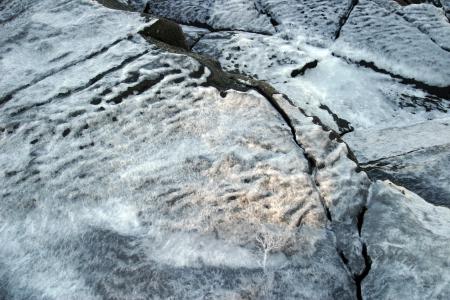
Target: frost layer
pixel 125 176
pixel 408 242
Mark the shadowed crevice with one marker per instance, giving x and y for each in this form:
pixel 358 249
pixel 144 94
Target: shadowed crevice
pixel 343 20
pixel 301 71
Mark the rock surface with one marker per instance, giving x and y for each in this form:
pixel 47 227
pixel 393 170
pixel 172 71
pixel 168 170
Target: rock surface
pixel 408 242
pixel 132 168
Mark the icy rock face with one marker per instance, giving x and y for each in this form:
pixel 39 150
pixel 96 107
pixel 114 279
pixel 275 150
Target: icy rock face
pixel 417 157
pixel 319 20
pixel 342 187
pixel 387 40
pixel 424 171
pixel 39 42
pixel 409 245
pixel 369 144
pixel 268 58
pixel 125 176
pixel 216 14
pixel 430 20
pixel 343 96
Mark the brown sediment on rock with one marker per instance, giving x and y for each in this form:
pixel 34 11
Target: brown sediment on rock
pixel 166 31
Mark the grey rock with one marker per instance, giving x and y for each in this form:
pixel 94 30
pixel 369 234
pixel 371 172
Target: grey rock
pixel 408 243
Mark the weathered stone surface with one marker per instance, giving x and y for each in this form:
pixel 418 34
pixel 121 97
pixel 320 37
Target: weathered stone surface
pixel 125 175
pixel 409 244
pixel 387 40
pixel 132 168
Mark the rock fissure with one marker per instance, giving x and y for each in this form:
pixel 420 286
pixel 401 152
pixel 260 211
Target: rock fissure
pixel 367 166
pixel 344 18
pixel 223 80
pixel 312 163
pixel 358 278
pixel 222 29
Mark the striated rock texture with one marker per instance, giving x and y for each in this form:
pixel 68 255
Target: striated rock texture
pixel 134 168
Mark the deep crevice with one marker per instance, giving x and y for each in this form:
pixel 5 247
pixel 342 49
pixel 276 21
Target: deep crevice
pixel 344 18
pixel 360 277
pixel 360 219
pixel 342 256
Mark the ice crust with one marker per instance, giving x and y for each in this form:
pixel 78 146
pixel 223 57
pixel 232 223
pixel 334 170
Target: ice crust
pixel 126 174
pixel 391 43
pixel 113 190
pixel 399 267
